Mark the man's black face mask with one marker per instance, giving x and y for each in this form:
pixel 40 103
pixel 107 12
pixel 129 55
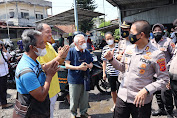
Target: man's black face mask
pixel 133 38
pixel 124 34
pixel 158 36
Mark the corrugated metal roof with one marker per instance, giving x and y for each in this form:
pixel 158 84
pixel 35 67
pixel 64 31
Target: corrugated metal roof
pixel 124 2
pixel 67 17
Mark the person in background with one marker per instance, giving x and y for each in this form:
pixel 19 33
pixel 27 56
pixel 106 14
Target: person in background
pixel 174 34
pixel 61 41
pixel 20 45
pixel 164 97
pixel 166 32
pixel 139 63
pixel 151 35
pixel 89 43
pixel 173 71
pixel 172 30
pixel 78 61
pixel 124 42
pixel 108 70
pixel 51 55
pixel 4 57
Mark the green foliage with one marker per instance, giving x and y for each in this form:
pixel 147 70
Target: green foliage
pixel 86 25
pixel 117 34
pixel 104 24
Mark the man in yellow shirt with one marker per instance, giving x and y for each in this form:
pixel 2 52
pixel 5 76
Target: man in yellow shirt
pixel 51 55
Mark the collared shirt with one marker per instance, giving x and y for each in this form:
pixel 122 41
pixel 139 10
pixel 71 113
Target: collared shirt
pixel 139 67
pixel 51 54
pixel 3 64
pixel 122 45
pixel 31 80
pixel 165 45
pixel 76 58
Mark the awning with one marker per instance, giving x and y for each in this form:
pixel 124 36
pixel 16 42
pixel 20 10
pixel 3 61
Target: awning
pixel 15 27
pixel 67 17
pixel 124 2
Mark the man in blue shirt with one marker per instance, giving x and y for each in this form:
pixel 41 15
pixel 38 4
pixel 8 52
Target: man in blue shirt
pixel 31 81
pixel 78 61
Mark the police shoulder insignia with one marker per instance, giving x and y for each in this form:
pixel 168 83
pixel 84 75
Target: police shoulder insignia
pixel 161 63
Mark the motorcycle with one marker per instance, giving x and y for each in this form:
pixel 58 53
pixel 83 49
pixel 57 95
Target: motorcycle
pixel 96 76
pixel 13 61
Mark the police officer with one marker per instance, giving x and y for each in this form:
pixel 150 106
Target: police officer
pixel 173 71
pixel 166 45
pixel 124 42
pixel 139 63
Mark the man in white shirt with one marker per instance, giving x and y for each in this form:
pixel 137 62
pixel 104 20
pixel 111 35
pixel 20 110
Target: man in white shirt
pixel 4 56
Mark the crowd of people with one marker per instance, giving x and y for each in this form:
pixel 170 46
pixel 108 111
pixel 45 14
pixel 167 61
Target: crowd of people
pixel 140 65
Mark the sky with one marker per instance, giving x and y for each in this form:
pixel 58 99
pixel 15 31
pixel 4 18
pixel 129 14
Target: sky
pixel 102 7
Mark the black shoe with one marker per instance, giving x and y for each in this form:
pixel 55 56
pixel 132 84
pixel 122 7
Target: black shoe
pixel 7 106
pixel 159 112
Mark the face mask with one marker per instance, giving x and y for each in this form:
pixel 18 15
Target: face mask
pixel 158 36
pixel 124 34
pixel 133 38
pixel 110 42
pixel 83 46
pixel 41 52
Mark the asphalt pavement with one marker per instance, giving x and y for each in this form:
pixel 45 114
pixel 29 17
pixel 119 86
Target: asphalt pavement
pixel 100 105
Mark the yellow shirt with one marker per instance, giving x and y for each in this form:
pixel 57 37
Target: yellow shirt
pixel 51 54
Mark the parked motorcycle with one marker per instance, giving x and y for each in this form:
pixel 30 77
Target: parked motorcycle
pixel 13 61
pixel 96 75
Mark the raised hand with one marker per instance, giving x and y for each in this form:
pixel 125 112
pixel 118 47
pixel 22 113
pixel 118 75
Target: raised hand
pixel 52 69
pixel 109 54
pixel 62 52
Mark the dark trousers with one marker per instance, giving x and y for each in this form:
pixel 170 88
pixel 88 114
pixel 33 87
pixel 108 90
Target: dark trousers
pixel 3 90
pixel 165 100
pixel 173 84
pixel 124 109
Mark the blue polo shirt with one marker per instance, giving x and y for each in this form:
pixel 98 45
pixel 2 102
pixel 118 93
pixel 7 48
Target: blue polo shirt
pixel 29 81
pixel 76 58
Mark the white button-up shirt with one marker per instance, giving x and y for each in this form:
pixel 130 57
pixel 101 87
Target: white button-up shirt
pixel 3 64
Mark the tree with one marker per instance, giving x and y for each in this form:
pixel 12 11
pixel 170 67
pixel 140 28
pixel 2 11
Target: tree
pixel 86 25
pixel 104 24
pixel 116 34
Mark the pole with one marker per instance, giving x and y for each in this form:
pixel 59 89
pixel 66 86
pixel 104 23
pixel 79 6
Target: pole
pixel 76 15
pixel 8 32
pixel 120 22
pixel 104 13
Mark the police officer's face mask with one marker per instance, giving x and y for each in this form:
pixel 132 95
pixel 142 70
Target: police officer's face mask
pixel 133 38
pixel 124 34
pixel 158 36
